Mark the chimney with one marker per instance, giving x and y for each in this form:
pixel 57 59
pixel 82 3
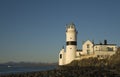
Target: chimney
pixel 105 42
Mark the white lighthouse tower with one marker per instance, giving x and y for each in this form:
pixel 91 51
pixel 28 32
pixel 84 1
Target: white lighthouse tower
pixel 71 43
pixel 68 55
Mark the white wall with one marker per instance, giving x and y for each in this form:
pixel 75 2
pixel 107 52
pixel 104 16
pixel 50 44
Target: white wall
pixel 87 47
pixel 71 36
pixel 104 54
pixel 62 58
pixel 105 48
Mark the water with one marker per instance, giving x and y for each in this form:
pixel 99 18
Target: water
pixel 20 69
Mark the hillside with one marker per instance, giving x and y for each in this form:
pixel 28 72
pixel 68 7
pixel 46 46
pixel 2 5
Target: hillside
pixel 115 59
pixel 94 67
pixel 112 61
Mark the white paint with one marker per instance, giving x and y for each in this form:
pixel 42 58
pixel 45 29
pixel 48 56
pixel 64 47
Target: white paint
pixel 70 53
pixel 87 47
pixel 71 33
pixel 103 47
pixel 70 49
pixel 104 54
pixel 62 58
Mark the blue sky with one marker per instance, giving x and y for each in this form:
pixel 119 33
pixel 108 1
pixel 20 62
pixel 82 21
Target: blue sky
pixel 34 30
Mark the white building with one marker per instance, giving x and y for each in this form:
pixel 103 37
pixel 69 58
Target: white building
pixel 89 49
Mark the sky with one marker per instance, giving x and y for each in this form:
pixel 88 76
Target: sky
pixel 34 30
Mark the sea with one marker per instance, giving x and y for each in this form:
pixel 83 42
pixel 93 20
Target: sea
pixel 21 69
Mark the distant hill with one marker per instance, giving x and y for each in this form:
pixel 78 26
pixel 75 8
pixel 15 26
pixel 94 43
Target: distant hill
pixel 27 64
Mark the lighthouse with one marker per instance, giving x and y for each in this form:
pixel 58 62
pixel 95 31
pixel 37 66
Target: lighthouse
pixel 71 43
pixel 67 55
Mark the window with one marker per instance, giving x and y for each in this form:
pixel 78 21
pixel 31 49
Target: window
pixel 88 46
pixel 60 56
pixel 88 51
pixel 110 48
pixel 98 56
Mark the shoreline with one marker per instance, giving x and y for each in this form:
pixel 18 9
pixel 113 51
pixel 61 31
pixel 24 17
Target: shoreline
pixel 71 72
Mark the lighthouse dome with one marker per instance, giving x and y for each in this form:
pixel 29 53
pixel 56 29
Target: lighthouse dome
pixel 71 25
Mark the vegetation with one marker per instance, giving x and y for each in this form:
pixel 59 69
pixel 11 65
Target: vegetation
pixel 115 59
pixel 90 62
